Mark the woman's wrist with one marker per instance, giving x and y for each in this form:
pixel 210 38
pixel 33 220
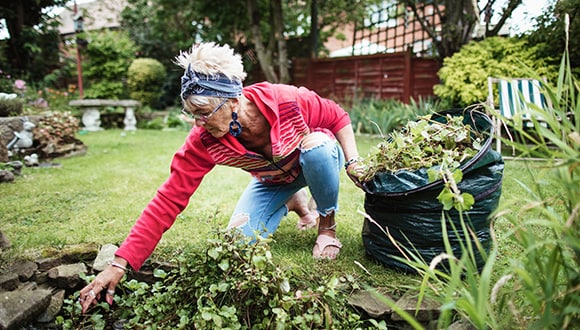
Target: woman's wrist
pixel 351 161
pixel 119 264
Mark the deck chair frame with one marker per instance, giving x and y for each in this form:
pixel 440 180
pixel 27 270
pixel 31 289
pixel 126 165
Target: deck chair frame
pixel 515 96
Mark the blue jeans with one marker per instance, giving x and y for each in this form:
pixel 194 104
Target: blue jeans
pixel 261 207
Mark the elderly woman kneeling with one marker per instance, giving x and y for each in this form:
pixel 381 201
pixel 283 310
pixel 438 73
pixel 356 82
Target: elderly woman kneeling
pixel 284 136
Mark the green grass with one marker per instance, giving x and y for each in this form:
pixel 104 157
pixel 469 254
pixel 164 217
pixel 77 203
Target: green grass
pixel 95 198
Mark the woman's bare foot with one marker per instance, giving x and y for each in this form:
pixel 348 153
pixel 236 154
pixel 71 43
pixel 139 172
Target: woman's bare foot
pixel 305 208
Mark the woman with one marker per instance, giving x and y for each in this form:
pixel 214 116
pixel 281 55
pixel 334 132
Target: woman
pixel 282 135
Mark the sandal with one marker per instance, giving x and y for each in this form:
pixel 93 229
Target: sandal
pixel 325 240
pixel 322 242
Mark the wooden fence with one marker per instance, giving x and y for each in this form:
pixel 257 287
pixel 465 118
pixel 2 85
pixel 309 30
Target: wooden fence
pixel 381 76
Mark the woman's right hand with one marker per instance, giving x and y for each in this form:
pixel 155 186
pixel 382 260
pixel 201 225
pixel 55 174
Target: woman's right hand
pixel 105 281
pixel 354 171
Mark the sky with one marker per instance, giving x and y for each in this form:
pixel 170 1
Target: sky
pixel 522 19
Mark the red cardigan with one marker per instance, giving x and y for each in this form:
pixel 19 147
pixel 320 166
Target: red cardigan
pixel 291 112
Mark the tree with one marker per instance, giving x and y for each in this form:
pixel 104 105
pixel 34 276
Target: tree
pixel 27 24
pixel 459 18
pixel 549 32
pixel 260 29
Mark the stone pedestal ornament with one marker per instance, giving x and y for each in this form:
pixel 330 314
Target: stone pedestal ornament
pixel 130 121
pixel 92 120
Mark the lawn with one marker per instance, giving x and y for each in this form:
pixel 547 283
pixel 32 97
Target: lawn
pixel 95 198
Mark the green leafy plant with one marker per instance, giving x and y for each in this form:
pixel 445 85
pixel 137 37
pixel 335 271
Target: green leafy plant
pixel 230 283
pixel 424 143
pixel 145 80
pixel 464 75
pixel 109 55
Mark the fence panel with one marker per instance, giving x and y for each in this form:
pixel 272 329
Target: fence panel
pixel 381 76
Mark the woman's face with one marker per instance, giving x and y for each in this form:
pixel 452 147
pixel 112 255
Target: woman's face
pixel 216 120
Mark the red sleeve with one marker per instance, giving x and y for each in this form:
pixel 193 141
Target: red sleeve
pixel 188 167
pixel 320 112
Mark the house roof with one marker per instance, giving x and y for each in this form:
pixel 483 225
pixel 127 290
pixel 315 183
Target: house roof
pixel 97 14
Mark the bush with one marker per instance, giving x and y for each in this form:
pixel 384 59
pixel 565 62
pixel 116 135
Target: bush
pixel 145 80
pixel 10 107
pixel 109 56
pixel 464 75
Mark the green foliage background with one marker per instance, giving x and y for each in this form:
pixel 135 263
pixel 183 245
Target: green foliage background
pixel 145 80
pixel 464 75
pixel 109 55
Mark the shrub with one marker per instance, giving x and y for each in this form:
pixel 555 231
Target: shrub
pixel 145 80
pixel 109 55
pixel 464 75
pixel 10 107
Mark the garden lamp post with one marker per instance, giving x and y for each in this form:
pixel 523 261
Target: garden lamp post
pixel 78 26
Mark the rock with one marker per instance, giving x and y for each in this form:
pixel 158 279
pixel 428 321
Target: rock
pixel 6 176
pixel 16 166
pixel 461 325
pixel 53 308
pixel 428 310
pixel 19 308
pixel 371 303
pixel 106 254
pixel 4 242
pixel 78 252
pixel 67 276
pixel 72 253
pixel 9 281
pixel 3 153
pixel 45 264
pixel 25 270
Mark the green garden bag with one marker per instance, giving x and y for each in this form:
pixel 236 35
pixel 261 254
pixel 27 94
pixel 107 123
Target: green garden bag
pixel 404 204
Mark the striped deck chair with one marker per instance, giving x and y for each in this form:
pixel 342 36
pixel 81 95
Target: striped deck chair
pixel 515 96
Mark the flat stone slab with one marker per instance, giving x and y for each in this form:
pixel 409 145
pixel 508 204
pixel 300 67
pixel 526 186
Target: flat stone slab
pixel 370 302
pixel 428 310
pixel 104 103
pixel 18 308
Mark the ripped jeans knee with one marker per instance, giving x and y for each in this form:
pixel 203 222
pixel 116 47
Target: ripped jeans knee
pixel 238 220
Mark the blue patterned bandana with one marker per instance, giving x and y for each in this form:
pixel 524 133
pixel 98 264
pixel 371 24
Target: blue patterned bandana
pixel 195 83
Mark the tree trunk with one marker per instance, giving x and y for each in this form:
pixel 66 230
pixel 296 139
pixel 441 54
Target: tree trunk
pixel 14 24
pixel 314 28
pixel 278 27
pixel 264 57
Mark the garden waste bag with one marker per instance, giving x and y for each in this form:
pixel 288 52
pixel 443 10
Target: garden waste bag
pixel 404 204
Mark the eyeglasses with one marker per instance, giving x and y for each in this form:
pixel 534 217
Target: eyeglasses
pixel 202 117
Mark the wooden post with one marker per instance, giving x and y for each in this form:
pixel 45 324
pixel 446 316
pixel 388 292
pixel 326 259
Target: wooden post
pixel 407 79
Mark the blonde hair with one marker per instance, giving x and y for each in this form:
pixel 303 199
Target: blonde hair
pixel 210 58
